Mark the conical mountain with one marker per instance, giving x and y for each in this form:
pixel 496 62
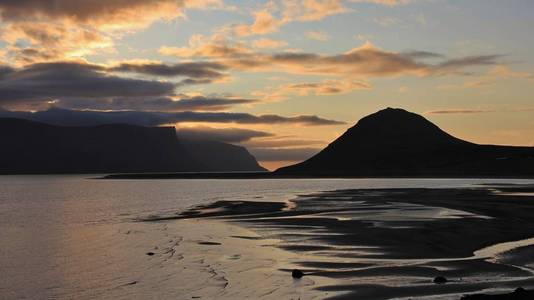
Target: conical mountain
pixel 395 142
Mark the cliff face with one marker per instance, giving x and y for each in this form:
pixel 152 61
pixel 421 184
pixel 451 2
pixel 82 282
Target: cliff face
pixel 36 148
pixel 221 157
pixel 394 142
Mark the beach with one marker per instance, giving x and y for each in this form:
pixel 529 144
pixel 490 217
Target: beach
pixel 392 243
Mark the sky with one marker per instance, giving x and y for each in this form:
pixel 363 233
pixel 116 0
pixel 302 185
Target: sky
pixel 282 78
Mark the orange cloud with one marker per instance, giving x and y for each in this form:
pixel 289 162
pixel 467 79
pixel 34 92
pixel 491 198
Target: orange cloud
pixel 264 22
pixel 60 29
pixel 326 87
pixel 268 43
pixel 313 10
pixel 383 2
pixel 274 15
pixel 215 46
pixel 365 61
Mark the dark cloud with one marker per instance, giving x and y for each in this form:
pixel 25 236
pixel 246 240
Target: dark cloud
pixel 458 63
pixel 161 104
pixel 193 81
pixel 417 54
pixel 49 81
pixel 204 103
pixel 79 10
pixel 283 154
pixel 88 86
pixel 88 118
pixel 5 71
pixel 228 135
pixel 191 69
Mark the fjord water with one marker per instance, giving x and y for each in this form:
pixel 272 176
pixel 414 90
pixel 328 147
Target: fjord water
pixel 75 237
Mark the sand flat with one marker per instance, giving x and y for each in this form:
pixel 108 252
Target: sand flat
pixel 391 243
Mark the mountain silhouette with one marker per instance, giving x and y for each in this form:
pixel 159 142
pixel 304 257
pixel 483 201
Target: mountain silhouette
pixel 36 148
pixel 395 142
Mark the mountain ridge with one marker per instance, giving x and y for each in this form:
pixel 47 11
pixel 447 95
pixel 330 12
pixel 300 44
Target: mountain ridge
pixel 31 147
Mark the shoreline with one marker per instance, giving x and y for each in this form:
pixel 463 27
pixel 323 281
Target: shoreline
pixel 273 175
pixel 357 239
pixel 234 263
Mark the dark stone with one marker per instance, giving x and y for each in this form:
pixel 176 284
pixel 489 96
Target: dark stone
pixel 440 280
pixel 296 273
pixel 150 253
pixel 210 243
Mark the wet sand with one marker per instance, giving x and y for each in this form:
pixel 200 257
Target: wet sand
pixel 387 243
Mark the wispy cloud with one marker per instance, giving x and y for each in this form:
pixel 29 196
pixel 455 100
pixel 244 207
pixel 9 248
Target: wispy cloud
pixel 318 36
pixel 326 87
pixel 477 111
pixel 228 135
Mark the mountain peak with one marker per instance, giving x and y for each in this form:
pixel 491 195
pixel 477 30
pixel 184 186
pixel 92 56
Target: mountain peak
pixel 396 125
pixel 394 141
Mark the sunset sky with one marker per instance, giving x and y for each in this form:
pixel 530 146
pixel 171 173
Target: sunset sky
pixel 283 78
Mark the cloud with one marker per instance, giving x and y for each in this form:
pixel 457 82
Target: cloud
pixel 417 54
pixel 274 15
pixel 326 87
pixel 41 82
pixel 80 85
pixel 318 36
pixel 59 29
pixel 387 21
pixel 268 43
pixel 477 111
pixel 360 62
pixel 264 23
pixel 88 118
pixel 162 104
pixel 228 135
pixel 109 12
pixel 51 40
pixel 216 46
pixel 313 10
pixel 384 2
pixel 458 111
pixel 496 74
pixel 209 70
pixel 455 64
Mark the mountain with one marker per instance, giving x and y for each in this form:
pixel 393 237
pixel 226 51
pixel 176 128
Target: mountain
pixel 37 148
pixel 221 157
pixel 395 142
